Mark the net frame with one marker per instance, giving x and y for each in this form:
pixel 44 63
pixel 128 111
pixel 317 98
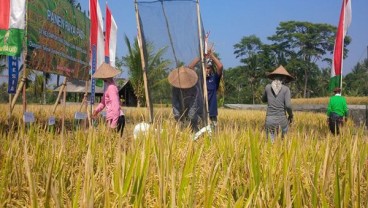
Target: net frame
pixel 176 53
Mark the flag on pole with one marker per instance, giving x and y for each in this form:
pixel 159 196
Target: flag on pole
pixel 110 38
pixel 96 41
pixel 12 23
pixel 344 23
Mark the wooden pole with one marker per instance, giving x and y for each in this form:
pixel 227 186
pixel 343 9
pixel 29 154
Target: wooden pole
pixel 85 104
pixel 24 99
pixel 59 95
pixel 64 107
pixel 205 94
pixel 17 93
pixel 84 100
pixel 144 64
pixel 10 109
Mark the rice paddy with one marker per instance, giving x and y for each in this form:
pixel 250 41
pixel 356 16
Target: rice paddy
pixel 234 167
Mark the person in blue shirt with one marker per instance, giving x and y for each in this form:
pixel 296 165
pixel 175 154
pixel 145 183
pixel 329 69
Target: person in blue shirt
pixel 214 70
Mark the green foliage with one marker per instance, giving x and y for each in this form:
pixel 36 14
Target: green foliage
pixel 4 96
pixel 2 63
pixel 298 46
pixel 133 61
pixel 257 59
pixel 305 43
pixel 356 81
pixel 156 68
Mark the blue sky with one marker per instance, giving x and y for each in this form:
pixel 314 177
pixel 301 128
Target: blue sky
pixel 230 20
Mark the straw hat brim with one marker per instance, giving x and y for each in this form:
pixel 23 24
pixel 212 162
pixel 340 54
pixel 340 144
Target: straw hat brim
pixel 106 71
pixel 183 77
pixel 281 71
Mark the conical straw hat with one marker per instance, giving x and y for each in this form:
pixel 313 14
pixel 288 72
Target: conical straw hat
pixel 280 71
pixel 183 77
pixel 105 71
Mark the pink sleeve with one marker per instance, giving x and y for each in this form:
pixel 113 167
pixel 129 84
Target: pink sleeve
pixel 113 94
pixel 114 97
pixel 101 105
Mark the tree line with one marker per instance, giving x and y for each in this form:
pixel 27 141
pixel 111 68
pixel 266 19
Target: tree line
pixel 301 47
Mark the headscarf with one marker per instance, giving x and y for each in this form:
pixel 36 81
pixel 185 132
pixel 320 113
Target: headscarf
pixel 276 86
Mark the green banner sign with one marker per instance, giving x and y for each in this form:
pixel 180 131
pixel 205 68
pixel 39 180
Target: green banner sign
pixel 58 38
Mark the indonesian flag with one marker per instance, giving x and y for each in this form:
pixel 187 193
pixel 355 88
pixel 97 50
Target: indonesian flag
pixel 97 36
pixel 12 23
pixel 344 23
pixel 96 41
pixel 110 38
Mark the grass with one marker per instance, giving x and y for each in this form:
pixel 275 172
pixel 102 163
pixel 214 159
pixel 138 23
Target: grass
pixel 236 167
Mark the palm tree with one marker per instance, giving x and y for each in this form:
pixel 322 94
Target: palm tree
pixel 133 62
pixel 156 69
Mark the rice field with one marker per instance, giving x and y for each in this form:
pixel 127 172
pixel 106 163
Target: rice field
pixel 234 167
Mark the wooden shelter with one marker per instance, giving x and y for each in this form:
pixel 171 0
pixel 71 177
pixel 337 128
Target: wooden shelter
pixel 76 89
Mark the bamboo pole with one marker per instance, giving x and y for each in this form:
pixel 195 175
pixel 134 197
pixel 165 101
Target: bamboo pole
pixel 64 107
pixel 205 94
pixel 84 100
pixel 85 104
pixel 59 95
pixel 24 99
pixel 144 64
pixel 19 89
pixel 10 109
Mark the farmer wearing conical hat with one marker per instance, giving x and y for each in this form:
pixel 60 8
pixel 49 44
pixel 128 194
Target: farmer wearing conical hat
pixel 336 111
pixel 278 98
pixel 110 99
pixel 186 100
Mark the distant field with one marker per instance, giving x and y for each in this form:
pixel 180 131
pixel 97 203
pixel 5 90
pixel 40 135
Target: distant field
pixel 234 167
pixel 324 100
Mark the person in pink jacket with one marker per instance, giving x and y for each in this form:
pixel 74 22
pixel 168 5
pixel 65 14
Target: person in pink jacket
pixel 115 118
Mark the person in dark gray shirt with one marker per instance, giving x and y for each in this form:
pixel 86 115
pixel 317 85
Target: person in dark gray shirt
pixel 187 100
pixel 278 98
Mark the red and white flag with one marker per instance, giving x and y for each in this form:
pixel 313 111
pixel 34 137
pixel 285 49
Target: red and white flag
pixel 96 34
pixel 96 42
pixel 12 23
pixel 344 23
pixel 110 38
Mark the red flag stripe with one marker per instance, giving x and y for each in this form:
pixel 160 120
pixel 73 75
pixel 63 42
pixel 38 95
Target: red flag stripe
pixel 107 31
pixel 4 14
pixel 94 22
pixel 339 42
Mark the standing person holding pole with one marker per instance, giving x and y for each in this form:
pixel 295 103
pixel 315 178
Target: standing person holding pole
pixel 213 78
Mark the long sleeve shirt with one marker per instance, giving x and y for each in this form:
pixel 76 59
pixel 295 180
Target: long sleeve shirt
pixel 278 104
pixel 111 101
pixel 337 104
